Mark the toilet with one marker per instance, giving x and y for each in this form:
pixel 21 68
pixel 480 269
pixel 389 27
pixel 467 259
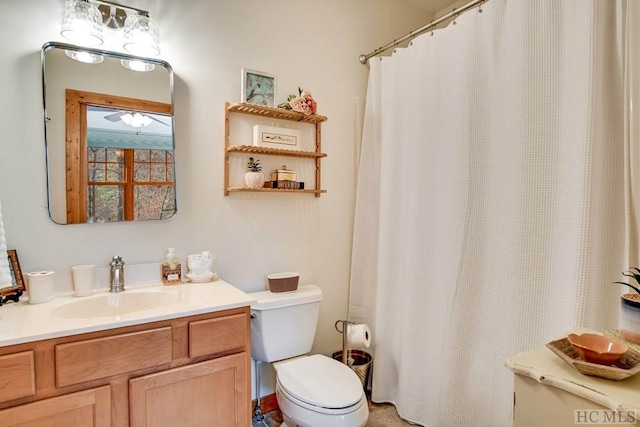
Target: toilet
pixel 311 390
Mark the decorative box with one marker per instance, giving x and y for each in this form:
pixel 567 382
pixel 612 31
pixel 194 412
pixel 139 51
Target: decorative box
pixel 283 174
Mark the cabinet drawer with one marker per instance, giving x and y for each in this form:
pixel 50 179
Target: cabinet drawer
pixel 219 335
pixel 17 375
pixel 103 357
pixel 88 408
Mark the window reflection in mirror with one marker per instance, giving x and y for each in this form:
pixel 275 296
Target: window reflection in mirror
pixel 109 138
pixel 121 167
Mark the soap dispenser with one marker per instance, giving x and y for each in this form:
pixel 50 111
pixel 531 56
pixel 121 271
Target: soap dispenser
pixel 171 269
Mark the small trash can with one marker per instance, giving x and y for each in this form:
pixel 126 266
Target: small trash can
pixel 359 361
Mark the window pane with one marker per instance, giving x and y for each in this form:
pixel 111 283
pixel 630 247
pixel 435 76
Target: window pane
pixel 115 155
pixel 141 172
pixel 154 201
pixel 115 172
pixel 105 203
pixel 95 154
pixel 141 155
pixel 158 172
pixel 96 172
pixel 99 153
pixel 158 155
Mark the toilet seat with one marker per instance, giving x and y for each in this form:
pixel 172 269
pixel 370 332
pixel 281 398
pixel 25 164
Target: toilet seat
pixel 321 384
pixel 282 393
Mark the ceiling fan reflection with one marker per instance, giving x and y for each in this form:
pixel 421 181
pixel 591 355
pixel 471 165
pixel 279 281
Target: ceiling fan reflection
pixel 133 118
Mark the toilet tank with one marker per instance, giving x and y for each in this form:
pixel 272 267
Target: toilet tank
pixel 283 325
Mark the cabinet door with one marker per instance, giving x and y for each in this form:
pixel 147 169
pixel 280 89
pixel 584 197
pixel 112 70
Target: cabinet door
pixel 211 393
pixel 89 408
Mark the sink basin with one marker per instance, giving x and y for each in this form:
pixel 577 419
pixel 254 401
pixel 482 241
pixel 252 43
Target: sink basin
pixel 111 304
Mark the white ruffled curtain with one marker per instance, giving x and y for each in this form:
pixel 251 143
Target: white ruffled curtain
pixel 490 213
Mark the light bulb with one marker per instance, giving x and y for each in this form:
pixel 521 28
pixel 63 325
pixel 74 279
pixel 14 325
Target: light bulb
pixel 136 65
pixel 82 56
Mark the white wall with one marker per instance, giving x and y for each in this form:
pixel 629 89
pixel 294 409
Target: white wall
pixel 312 44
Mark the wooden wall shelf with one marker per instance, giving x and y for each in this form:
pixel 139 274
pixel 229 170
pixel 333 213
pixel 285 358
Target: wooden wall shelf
pixel 273 151
pixel 279 114
pixel 274 113
pixel 273 190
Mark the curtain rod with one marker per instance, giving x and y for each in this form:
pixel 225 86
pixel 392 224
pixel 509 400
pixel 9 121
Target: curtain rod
pixel 415 33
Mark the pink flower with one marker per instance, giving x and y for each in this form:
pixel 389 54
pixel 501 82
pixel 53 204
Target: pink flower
pixel 313 105
pixel 298 104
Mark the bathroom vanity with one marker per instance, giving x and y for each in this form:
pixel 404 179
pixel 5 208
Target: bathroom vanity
pixel 184 360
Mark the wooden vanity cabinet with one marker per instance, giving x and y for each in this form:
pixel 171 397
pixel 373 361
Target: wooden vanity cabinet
pixel 190 371
pixel 91 408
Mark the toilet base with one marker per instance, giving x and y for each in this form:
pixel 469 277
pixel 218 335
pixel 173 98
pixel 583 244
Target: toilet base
pixel 286 422
pixel 294 415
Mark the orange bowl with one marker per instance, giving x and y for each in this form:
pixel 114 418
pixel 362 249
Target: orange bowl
pixel 598 349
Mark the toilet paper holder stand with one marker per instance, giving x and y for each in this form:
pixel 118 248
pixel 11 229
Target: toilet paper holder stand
pixel 343 331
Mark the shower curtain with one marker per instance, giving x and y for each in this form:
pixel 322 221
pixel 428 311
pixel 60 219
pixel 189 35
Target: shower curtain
pixel 490 209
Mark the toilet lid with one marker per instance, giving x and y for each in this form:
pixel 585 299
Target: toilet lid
pixel 321 381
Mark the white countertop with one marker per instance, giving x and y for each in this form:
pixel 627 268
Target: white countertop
pixel 23 322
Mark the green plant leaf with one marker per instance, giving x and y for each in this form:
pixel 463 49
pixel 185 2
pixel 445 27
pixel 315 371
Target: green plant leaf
pixel 629 285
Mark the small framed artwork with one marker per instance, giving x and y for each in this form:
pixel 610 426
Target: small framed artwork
pixel 274 137
pixel 17 281
pixel 258 87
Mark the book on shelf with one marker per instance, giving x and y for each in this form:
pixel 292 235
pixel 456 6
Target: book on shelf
pixel 284 184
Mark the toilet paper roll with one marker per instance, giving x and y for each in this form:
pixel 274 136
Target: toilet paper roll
pixel 41 286
pixel 358 336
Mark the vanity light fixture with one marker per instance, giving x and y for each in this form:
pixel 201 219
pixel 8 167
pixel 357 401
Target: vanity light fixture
pixel 83 24
pixel 141 35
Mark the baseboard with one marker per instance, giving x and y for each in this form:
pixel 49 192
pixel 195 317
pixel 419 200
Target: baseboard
pixel 267 404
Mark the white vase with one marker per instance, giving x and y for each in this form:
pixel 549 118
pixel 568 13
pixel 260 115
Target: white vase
pixel 254 179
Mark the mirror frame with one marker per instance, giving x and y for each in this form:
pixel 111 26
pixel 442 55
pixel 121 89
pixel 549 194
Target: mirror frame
pixel 110 54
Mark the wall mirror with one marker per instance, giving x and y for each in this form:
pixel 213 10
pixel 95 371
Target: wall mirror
pixel 109 136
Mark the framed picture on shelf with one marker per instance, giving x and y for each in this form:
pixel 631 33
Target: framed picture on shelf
pixel 258 87
pixel 275 137
pixel 17 281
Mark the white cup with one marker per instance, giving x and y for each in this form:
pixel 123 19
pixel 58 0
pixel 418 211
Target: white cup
pixel 41 286
pixel 83 277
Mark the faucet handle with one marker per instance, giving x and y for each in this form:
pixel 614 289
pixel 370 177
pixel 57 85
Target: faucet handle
pixel 116 262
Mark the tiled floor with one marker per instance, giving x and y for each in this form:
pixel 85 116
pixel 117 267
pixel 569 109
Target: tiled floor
pixel 380 415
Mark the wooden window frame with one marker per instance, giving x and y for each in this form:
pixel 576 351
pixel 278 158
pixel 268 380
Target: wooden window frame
pixel 76 142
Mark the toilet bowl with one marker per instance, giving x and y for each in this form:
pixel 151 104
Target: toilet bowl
pixel 317 391
pixel 312 391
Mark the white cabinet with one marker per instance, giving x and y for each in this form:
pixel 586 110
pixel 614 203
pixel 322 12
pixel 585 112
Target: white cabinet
pixel 549 392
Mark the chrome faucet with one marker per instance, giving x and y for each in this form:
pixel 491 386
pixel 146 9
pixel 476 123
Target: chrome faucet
pixel 116 282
